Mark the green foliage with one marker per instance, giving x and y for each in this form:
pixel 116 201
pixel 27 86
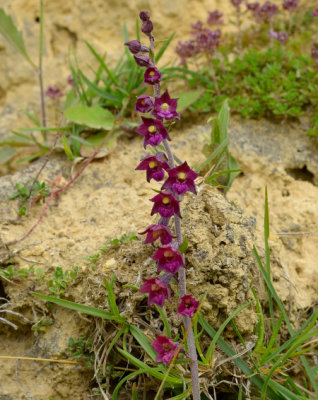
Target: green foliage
pixel 94 117
pixel 10 273
pixel 10 32
pixel 82 349
pixel 220 168
pixel 61 280
pixel 42 324
pixel 126 238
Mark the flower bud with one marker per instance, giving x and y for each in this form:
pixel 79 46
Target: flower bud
pixel 144 15
pixel 136 47
pixel 143 60
pixel 147 27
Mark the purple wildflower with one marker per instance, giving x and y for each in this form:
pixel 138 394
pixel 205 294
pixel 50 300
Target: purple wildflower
pixel 186 50
pixel 279 36
pixel 253 6
pixel 157 290
pixel 290 4
pixel 165 107
pixel 315 13
pixel 136 47
pixel 70 80
pixel 152 76
pixel 197 27
pixel 181 179
pixel 215 18
pixel 169 259
pixel 155 232
pixel 144 16
pixel 143 60
pixel 166 349
pixel 144 104
pixel 53 92
pixel 155 166
pixel 188 305
pixel 267 11
pixel 208 40
pixel 153 131
pixel 236 3
pixel 166 205
pixel 314 53
pixel 147 27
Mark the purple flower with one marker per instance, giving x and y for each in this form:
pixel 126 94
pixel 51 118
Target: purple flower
pixel 144 15
pixel 188 305
pixel 197 27
pixel 155 232
pixel 136 47
pixel 157 290
pixel 143 60
pixel 153 131
pixel 315 13
pixel 147 27
pixel 53 92
pixel 253 6
pixel 166 205
pixel 144 104
pixel 290 4
pixel 152 76
pixel 215 18
pixel 186 50
pixel 165 107
pixel 208 40
pixel 279 36
pixel 236 3
pixel 70 80
pixel 169 259
pixel 314 53
pixel 155 166
pixel 267 11
pixel 166 349
pixel 181 179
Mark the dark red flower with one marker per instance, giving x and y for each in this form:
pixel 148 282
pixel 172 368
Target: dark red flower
pixel 181 179
pixel 53 92
pixel 165 107
pixel 144 15
pixel 314 53
pixel 155 166
pixel 153 131
pixel 155 232
pixel 143 60
pixel 267 11
pixel 186 50
pixel 136 47
pixel 215 18
pixel 315 13
pixel 157 290
pixel 169 259
pixel 166 205
pixel 152 76
pixel 188 305
pixel 147 27
pixel 236 3
pixel 290 4
pixel 166 349
pixel 144 104
pixel 253 6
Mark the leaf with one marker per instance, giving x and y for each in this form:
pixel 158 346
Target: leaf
pixel 95 312
pixel 67 148
pixel 188 98
pixel 93 117
pixel 6 153
pixel 10 32
pixel 184 245
pixel 164 47
pixel 95 140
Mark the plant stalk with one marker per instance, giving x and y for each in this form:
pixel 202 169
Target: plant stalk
pixel 40 72
pixel 182 274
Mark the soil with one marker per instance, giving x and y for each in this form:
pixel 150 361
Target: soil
pixel 111 198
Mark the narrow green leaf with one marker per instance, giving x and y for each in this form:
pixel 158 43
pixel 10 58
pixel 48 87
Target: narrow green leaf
pixel 182 396
pixel 67 148
pixel 95 312
pixel 217 152
pixel 111 298
pixel 10 32
pixel 164 320
pixel 143 341
pixel 223 119
pixel 93 117
pixel 164 48
pixel 183 246
pixel 125 379
pixel 185 99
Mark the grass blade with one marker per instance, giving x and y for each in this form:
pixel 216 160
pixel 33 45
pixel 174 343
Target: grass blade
pixel 164 48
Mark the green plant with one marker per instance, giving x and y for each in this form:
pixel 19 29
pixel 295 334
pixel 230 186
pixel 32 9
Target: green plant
pixel 36 192
pixel 126 238
pixel 10 273
pixel 42 324
pixel 220 168
pixel 82 349
pixel 61 280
